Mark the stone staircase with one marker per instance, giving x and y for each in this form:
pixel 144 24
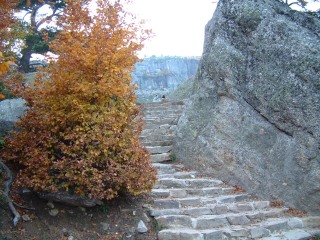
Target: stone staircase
pixel 160 122
pixel 190 206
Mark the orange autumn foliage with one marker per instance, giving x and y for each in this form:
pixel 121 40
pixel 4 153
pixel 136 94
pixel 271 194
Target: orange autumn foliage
pixel 81 132
pixel 6 19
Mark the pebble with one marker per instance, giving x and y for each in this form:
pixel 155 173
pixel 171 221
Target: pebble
pixel 146 206
pixel 26 218
pixel 54 212
pixel 65 232
pixel 105 226
pixel 82 209
pixel 145 217
pixel 71 238
pixel 25 190
pixel 128 236
pixel 142 228
pixel 50 205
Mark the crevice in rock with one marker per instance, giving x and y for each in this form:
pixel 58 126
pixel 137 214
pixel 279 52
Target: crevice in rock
pixel 273 124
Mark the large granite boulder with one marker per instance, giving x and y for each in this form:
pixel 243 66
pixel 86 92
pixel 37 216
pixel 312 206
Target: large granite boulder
pixel 254 117
pixel 10 111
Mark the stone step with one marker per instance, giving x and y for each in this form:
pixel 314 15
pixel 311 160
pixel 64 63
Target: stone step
pixel 185 192
pixel 164 168
pixel 157 137
pixel 262 230
pixel 156 118
pixel 180 175
pixel 214 209
pixel 312 222
pixel 148 143
pixel 152 126
pixel 186 183
pixel 166 105
pixel 163 157
pixel 161 120
pixel 218 221
pixel 296 234
pixel 197 201
pixel 159 149
pixel 157 131
pixel 159 113
pixel 167 170
pixel 166 128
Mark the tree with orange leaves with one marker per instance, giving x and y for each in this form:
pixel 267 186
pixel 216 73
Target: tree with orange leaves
pixel 6 13
pixel 7 8
pixel 81 133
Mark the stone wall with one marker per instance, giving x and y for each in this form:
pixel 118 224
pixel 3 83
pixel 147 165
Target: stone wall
pixel 157 76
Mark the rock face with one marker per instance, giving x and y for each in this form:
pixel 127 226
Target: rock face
pixel 10 111
pixel 161 75
pixel 254 117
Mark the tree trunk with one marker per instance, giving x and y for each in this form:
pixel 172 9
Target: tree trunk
pixel 25 59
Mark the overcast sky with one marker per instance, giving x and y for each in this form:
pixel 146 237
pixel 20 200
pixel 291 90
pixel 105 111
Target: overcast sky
pixel 178 25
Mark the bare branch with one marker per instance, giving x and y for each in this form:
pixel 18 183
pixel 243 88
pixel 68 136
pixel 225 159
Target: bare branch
pixel 7 184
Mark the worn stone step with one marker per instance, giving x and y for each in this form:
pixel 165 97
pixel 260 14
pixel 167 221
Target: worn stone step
pixel 251 232
pixel 157 137
pixel 193 201
pixel 163 105
pixel 159 149
pixel 184 192
pixel 216 221
pixel 160 120
pixel 180 175
pixel 182 202
pixel 163 157
pixel 164 168
pixel 181 234
pixel 159 113
pixel 296 234
pixel 154 127
pixel 149 129
pixel 233 198
pixel 187 183
pixel 215 209
pixel 312 222
pixel 161 143
pixel 157 131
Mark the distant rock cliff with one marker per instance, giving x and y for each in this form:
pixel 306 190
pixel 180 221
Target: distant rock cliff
pixel 162 75
pixel 254 117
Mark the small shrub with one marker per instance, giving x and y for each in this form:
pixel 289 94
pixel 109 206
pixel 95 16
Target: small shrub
pixel 158 227
pixel 173 157
pixel 81 132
